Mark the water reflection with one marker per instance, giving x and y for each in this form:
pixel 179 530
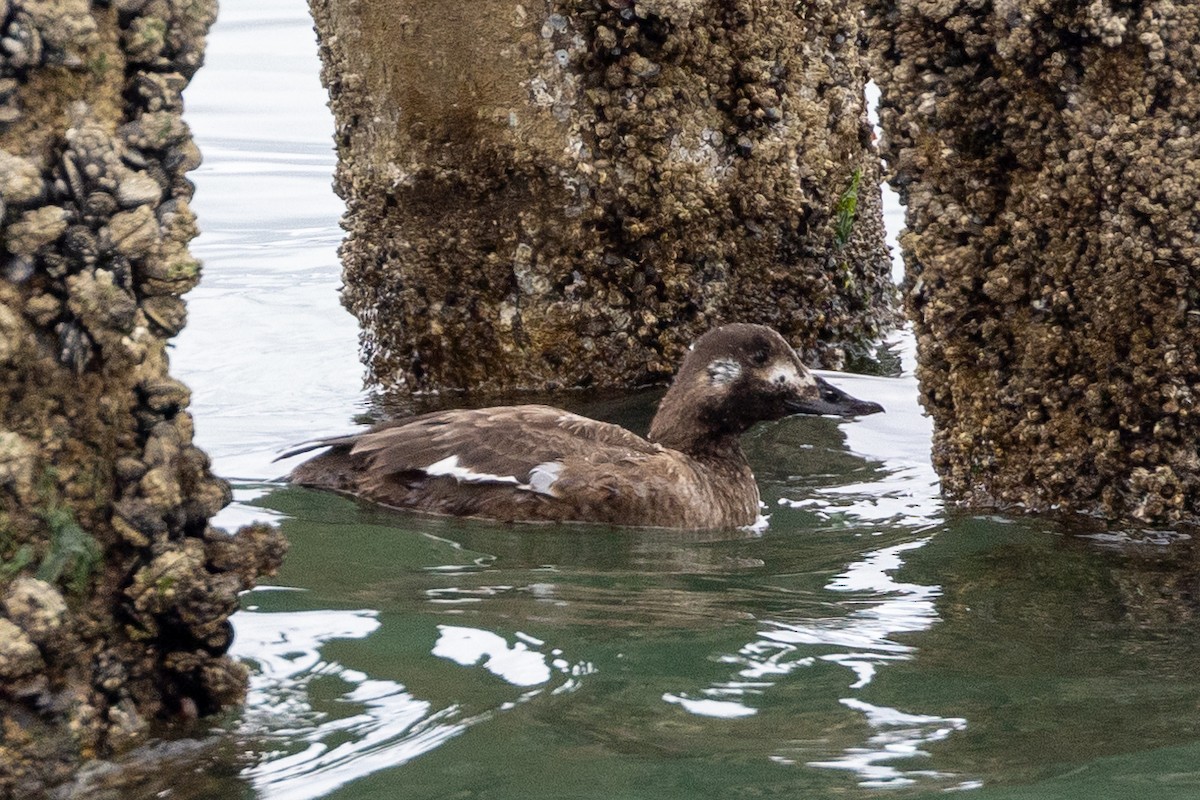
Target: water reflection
pixel 903 491
pixel 898 736
pixel 883 607
pixel 516 663
pixel 370 724
pixel 319 724
pixel 833 644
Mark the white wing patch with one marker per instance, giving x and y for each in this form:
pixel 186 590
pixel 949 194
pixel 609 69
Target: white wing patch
pixel 724 371
pixel 448 467
pixel 541 477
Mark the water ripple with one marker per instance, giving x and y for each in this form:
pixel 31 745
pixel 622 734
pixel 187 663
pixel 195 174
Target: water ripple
pixel 897 736
pixel 310 748
pixel 905 491
pixel 883 607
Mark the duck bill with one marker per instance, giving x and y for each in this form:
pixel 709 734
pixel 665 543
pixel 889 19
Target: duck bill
pixel 832 401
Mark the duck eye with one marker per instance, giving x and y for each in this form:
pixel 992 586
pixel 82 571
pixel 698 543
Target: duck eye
pixel 759 357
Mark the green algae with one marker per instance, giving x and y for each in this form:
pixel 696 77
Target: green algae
pixel 73 557
pixel 847 209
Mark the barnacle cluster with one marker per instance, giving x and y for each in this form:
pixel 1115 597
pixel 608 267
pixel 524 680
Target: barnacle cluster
pixel 1049 157
pixel 568 193
pixel 115 592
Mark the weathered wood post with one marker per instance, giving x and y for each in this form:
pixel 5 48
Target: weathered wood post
pixel 567 192
pixel 1049 157
pixel 115 593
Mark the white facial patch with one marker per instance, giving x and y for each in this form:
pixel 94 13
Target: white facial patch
pixel 784 373
pixel 724 371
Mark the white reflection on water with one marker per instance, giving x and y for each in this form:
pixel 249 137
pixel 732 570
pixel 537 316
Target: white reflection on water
pixel 908 492
pixel 891 608
pixel 721 709
pixel 374 724
pixel 318 752
pixel 898 735
pixel 517 664
pixel 865 638
pixel 908 608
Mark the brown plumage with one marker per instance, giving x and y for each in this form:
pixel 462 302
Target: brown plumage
pixel 537 463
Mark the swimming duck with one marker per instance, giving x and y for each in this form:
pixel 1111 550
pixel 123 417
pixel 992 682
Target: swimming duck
pixel 538 463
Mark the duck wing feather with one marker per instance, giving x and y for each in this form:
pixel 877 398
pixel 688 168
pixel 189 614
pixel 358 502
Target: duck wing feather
pixel 516 447
pixel 493 445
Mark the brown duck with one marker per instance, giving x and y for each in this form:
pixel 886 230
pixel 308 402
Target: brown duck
pixel 538 463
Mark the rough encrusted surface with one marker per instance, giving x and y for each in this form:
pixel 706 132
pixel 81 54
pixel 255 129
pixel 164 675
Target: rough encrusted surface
pixel 568 192
pixel 1049 157
pixel 115 592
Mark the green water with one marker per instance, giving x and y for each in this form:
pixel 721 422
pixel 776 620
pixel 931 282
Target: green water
pixel 829 656
pixel 1071 667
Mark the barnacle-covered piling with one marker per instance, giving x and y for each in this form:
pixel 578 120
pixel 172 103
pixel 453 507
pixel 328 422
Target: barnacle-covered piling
pixel 115 592
pixel 1049 157
pixel 567 193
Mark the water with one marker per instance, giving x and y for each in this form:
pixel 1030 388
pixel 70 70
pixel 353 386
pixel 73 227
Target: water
pixel 869 642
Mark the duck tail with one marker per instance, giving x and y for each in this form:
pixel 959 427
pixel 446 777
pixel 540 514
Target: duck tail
pixel 316 444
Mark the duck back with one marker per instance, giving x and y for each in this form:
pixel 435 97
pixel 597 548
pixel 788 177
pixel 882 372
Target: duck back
pixel 532 463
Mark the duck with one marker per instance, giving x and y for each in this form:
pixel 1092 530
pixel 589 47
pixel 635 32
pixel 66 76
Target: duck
pixel 537 463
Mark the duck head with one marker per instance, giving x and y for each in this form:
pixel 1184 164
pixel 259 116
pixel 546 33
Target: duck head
pixel 737 375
